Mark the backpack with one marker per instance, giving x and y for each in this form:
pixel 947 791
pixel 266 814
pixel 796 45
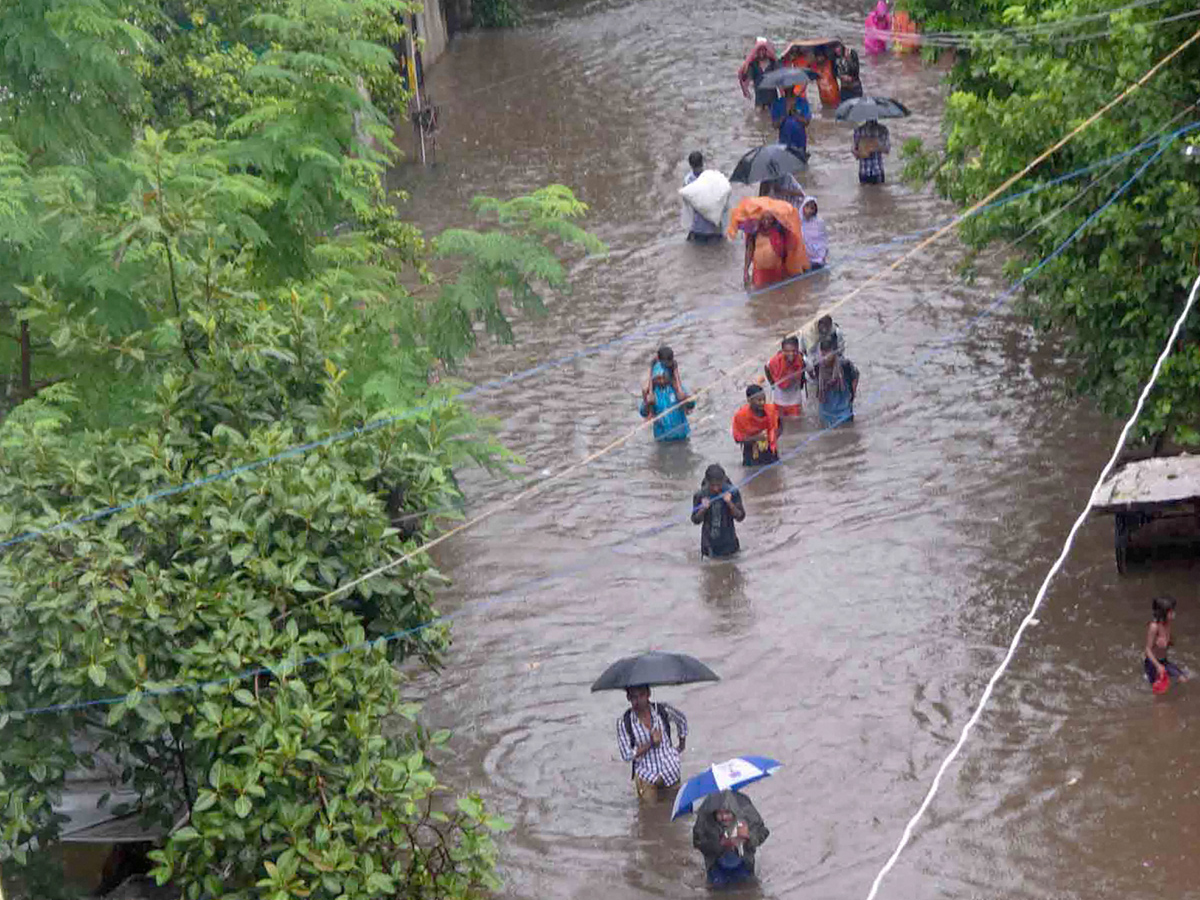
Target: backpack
pixel 628 720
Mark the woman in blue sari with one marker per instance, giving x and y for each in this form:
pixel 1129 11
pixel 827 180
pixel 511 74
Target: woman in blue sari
pixel 837 384
pixel 661 396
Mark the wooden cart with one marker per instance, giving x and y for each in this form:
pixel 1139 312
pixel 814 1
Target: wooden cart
pixel 1148 490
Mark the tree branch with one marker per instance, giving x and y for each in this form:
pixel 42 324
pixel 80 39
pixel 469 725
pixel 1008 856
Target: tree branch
pixel 187 344
pixel 181 758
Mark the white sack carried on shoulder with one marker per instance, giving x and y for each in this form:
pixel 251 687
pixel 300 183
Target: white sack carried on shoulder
pixel 708 195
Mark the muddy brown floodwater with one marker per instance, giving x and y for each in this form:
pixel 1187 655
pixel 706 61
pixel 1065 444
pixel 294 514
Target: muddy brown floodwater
pixel 885 565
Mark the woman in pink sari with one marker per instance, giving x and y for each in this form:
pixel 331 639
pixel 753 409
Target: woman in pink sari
pixel 879 20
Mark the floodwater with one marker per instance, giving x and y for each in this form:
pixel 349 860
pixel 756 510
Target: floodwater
pixel 885 565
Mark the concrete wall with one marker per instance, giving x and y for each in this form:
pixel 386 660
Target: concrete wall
pixel 433 30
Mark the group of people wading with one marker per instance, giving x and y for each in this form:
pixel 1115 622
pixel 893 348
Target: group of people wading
pixel 784 236
pixel 817 356
pixel 782 228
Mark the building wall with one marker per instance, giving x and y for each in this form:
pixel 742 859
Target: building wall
pixel 433 30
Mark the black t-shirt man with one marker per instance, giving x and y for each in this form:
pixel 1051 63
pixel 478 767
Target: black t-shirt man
pixel 716 513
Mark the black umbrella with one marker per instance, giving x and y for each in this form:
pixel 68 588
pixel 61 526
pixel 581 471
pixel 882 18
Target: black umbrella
pixel 653 668
pixel 864 109
pixel 765 163
pixel 786 77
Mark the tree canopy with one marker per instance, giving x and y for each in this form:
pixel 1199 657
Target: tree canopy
pixel 1116 291
pixel 199 270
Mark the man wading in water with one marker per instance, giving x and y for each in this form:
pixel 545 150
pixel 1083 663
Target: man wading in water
pixel 715 507
pixel 644 737
pixel 756 428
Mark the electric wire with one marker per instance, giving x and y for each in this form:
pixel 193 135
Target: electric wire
pixel 514 377
pixel 912 823
pixel 289 665
pixel 516 498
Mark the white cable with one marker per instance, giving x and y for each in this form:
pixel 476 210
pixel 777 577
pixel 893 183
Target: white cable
pixel 1054 25
pixel 1037 602
pixel 1023 40
pixel 970 40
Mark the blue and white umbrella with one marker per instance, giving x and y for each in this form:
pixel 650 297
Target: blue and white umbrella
pixel 727 776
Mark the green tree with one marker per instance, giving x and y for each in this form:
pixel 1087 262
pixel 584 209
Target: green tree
pixel 207 280
pixel 1116 291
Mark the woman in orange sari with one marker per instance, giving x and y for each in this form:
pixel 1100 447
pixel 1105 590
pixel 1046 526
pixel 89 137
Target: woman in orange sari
pixel 766 251
pixel 827 83
pixel 774 240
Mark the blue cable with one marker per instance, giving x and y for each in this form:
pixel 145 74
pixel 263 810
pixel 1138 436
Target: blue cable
pixel 301 449
pixel 662 526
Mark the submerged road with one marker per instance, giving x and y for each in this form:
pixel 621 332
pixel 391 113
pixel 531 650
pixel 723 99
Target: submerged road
pixel 884 567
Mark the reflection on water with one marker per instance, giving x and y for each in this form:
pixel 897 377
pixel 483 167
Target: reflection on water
pixel 723 590
pixel 885 565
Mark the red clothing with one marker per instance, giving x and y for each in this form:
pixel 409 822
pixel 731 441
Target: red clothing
pixel 785 375
pixel 788 382
pixel 746 422
pixel 779 243
pixel 764 277
pixel 778 239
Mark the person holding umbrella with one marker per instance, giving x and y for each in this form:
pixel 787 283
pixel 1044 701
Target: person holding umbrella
pixel 644 739
pixel 644 730
pixel 728 828
pixel 791 82
pixel 871 140
pixel 727 833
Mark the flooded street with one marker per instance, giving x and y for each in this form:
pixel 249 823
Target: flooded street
pixel 884 565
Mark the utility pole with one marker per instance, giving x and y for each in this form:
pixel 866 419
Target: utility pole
pixel 419 119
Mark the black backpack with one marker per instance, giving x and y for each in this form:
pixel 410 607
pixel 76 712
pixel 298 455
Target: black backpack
pixel 628 720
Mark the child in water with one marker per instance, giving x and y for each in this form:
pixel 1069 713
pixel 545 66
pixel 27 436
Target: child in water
pixel 663 395
pixel 1158 640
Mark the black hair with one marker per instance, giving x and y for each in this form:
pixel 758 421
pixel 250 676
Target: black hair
pixel 790 339
pixel 666 356
pixel 754 390
pixel 695 159
pixel 824 320
pixel 816 210
pixel 714 474
pixel 1161 607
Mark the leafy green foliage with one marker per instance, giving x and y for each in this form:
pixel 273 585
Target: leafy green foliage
pixel 194 231
pixel 510 263
pixel 225 579
pixel 1116 291
pixel 496 13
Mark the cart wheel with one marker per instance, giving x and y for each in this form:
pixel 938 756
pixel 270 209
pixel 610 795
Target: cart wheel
pixel 1121 541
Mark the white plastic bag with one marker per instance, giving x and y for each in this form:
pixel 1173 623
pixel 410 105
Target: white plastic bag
pixel 708 195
